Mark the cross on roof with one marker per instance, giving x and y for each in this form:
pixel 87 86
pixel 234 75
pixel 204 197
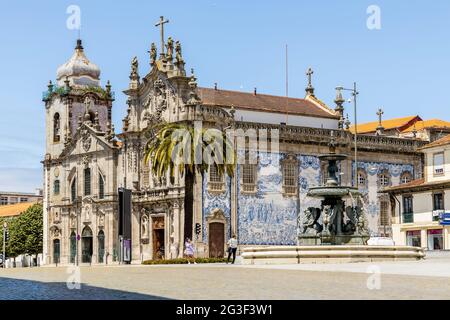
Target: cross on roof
pixel 161 24
pixel 310 88
pixel 380 115
pixel 309 73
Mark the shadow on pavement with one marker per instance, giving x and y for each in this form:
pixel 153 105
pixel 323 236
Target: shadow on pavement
pixel 19 289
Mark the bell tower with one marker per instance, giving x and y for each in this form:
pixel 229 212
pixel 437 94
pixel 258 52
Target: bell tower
pixel 76 97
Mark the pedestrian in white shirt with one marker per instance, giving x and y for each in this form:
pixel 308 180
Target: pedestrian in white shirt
pixel 232 248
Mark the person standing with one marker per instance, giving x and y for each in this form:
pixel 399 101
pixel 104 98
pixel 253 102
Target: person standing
pixel 189 251
pixel 232 248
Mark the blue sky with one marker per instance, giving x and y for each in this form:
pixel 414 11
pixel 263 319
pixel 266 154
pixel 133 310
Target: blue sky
pixel 403 68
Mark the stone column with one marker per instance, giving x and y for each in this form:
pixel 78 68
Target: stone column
pixel 446 238
pixel 181 230
pixel 46 239
pixel 135 243
pixel 234 203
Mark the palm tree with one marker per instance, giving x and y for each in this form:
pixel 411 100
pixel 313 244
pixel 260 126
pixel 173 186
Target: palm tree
pixel 182 148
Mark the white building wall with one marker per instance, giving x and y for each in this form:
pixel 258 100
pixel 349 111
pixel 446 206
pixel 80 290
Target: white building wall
pixel 429 165
pixel 291 120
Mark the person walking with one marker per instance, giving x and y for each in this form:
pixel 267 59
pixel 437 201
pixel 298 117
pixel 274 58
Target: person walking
pixel 232 248
pixel 189 251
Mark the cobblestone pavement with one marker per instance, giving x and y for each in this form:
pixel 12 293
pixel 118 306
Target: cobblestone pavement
pixel 222 282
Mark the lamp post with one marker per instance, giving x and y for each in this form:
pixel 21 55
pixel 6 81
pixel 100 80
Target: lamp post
pixel 5 226
pixel 355 93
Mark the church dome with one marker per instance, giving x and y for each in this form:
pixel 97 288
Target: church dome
pixel 79 70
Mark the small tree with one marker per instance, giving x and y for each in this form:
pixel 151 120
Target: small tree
pixel 25 233
pixel 32 224
pixel 17 238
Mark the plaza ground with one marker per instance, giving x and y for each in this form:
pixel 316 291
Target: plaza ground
pixel 428 279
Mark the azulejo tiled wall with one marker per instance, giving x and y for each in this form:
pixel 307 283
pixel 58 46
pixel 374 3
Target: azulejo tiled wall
pixel 270 218
pixel 216 201
pixel 370 192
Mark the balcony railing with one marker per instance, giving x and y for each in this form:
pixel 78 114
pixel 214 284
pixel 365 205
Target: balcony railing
pixel 408 217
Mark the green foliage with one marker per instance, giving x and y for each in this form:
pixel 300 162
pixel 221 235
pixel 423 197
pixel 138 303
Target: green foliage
pixel 31 222
pixel 17 238
pixel 184 261
pixel 99 90
pixel 182 142
pixel 25 232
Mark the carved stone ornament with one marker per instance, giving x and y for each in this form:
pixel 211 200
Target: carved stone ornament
pixel 87 141
pixel 87 213
pixel 101 219
pixel 86 160
pixel 73 221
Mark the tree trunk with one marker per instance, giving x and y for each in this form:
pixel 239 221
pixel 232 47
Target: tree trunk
pixel 188 204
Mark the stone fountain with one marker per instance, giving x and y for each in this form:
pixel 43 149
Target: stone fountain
pixel 336 232
pixel 339 220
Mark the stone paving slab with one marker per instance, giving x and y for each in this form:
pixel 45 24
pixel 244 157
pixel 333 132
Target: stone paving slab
pixel 435 267
pixel 215 282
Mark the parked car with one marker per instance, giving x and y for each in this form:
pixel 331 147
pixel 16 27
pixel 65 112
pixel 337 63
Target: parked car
pixel 381 241
pixel 1 260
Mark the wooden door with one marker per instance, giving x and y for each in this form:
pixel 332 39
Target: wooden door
pixel 216 240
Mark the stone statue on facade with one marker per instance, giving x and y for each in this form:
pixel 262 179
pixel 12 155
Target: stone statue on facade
pixel 153 54
pixel 134 69
pixel 169 47
pixel 179 56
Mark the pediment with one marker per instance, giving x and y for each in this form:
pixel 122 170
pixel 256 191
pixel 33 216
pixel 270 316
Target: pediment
pixel 87 140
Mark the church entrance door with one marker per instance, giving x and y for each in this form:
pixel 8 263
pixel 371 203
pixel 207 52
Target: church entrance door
pixel 216 240
pixel 86 245
pixel 158 238
pixel 56 250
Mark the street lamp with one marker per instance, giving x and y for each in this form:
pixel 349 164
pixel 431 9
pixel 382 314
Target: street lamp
pixel 5 226
pixel 355 93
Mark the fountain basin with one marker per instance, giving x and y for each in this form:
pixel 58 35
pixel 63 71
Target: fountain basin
pixel 329 254
pixel 333 191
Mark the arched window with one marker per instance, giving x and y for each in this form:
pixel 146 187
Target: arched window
pixel 56 187
pixel 406 177
pixel 87 181
pixel 73 190
pixel 384 179
pixel 101 187
pixel 56 128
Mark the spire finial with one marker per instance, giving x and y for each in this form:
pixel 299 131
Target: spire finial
pixel 79 45
pixel 339 100
pixel 347 123
pixel 194 99
pixel 134 74
pixel 309 89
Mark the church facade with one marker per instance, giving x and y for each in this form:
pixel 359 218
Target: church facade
pixel 262 203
